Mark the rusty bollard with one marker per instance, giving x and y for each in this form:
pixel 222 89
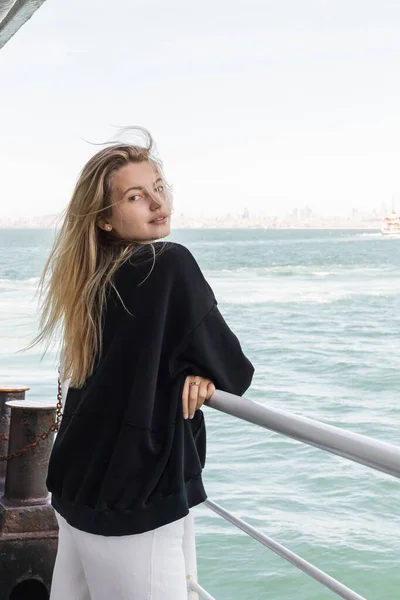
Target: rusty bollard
pixel 7 394
pixel 28 527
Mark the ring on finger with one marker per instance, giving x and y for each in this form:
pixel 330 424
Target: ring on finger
pixel 194 383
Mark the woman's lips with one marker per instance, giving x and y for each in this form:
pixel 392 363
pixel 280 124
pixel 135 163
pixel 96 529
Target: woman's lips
pixel 159 221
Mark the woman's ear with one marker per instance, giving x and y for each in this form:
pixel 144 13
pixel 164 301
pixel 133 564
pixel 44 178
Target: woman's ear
pixel 104 225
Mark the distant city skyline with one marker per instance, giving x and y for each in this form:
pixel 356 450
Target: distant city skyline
pixel 270 106
pixel 297 212
pixel 298 217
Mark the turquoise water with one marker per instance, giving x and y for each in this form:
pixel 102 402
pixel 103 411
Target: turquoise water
pixel 318 313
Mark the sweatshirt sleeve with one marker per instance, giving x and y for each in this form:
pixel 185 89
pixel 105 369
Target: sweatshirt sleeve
pixel 187 325
pixel 213 351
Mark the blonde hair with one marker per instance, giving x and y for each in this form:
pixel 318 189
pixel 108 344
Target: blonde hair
pixel 83 261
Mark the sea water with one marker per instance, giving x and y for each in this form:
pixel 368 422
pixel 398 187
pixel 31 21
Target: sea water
pixel 318 314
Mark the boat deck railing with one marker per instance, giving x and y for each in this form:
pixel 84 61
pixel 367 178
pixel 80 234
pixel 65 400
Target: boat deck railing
pixel 365 450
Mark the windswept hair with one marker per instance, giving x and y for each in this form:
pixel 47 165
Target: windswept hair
pixel 84 258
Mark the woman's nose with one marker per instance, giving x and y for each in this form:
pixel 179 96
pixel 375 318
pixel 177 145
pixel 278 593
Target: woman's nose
pixel 155 199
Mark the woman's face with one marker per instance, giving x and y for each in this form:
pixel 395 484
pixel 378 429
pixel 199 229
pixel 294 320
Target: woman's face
pixel 140 206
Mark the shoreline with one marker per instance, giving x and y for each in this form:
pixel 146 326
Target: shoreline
pixel 212 227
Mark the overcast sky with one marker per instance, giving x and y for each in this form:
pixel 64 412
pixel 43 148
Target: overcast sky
pixel 265 104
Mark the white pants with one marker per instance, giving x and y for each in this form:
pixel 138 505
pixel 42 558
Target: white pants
pixel 144 566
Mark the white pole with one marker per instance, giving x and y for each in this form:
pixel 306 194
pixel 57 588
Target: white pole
pixel 189 551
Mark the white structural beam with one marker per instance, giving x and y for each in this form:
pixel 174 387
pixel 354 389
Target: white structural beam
pixel 13 14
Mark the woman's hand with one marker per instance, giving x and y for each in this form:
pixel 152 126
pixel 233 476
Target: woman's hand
pixel 195 391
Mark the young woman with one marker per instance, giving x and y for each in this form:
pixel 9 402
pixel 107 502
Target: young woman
pixel 144 345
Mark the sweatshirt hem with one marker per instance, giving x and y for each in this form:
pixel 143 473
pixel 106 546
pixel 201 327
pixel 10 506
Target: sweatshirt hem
pixel 117 522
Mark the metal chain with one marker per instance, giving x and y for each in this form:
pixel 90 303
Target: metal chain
pixel 42 436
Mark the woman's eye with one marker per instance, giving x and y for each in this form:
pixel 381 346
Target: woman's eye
pixel 133 198
pixel 160 189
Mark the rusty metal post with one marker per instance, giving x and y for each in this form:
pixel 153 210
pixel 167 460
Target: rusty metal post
pixel 26 475
pixel 28 527
pixel 7 394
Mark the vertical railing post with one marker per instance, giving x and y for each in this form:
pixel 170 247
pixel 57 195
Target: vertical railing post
pixel 189 551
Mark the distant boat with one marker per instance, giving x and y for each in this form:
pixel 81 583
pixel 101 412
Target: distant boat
pixel 391 225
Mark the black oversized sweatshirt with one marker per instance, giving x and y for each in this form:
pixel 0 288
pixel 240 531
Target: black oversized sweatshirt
pixel 125 460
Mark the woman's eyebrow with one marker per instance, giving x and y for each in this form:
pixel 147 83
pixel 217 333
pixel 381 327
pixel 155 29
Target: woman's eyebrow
pixel 139 187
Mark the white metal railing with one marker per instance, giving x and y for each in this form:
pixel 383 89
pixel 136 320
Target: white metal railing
pixel 297 561
pixel 359 448
pixel 197 589
pixel 353 446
